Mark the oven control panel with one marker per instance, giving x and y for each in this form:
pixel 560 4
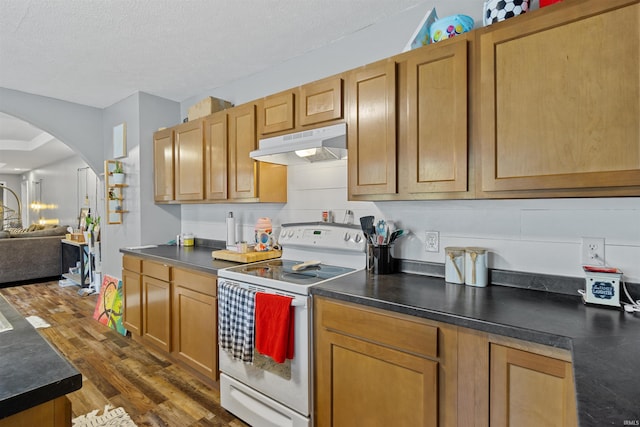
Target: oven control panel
pixel 322 235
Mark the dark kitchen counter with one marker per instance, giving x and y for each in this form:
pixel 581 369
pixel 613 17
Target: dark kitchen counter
pixel 32 372
pixel 604 343
pixel 193 257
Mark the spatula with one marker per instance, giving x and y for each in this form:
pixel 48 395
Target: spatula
pixel 366 222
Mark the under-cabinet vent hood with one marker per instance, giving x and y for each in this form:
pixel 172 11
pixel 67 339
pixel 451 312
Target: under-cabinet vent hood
pixel 314 145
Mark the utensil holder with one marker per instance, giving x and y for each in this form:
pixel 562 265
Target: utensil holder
pixel 383 261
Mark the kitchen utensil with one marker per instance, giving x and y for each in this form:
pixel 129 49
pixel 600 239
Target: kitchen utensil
pixel 305 265
pixel 366 223
pixel 382 230
pixel 396 234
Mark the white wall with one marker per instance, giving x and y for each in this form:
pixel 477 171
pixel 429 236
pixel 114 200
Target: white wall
pixel 538 235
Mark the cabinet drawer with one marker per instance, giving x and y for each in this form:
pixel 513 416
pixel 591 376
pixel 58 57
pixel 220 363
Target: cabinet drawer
pixel 203 283
pixel 157 270
pixel 383 328
pixel 132 263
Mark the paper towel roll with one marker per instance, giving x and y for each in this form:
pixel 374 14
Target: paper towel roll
pixel 231 230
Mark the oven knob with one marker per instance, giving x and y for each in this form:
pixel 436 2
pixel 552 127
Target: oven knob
pixel 357 238
pixel 347 236
pixel 290 233
pixel 283 234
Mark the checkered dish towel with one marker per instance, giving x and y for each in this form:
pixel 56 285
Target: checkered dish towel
pixel 236 321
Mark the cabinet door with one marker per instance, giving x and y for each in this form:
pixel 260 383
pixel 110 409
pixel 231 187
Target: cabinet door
pixel 372 129
pixel 320 101
pixel 163 165
pixel 277 113
pixel 189 161
pixel 242 141
pixel 529 389
pixel 216 140
pixel 437 118
pixel 372 385
pixel 132 299
pixel 195 329
pixel 156 319
pixel 560 101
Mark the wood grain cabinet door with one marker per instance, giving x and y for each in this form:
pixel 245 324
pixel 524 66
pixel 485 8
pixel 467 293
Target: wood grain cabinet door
pixel 156 319
pixel 320 101
pixel 529 389
pixel 372 129
pixel 132 299
pixel 372 385
pixel 560 101
pixel 189 161
pixel 216 156
pixel 163 166
pixel 437 118
pixel 242 141
pixel 277 113
pixel 195 325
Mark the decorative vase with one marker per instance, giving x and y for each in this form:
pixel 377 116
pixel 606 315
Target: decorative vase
pixel 117 178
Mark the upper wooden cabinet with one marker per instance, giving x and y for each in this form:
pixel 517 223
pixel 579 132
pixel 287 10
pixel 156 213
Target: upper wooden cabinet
pixel 560 102
pixel 188 162
pixel 216 155
pixel 163 165
pixel 249 180
pixel 371 129
pixel 320 101
pixel 435 149
pixel 277 113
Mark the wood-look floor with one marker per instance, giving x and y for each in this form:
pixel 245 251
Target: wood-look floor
pixel 117 370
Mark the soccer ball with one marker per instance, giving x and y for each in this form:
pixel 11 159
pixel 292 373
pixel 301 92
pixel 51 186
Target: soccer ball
pixel 499 10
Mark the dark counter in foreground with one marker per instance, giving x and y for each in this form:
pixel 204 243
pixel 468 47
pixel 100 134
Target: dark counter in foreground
pixel 32 372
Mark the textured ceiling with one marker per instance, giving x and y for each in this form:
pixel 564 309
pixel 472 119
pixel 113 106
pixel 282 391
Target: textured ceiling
pixel 98 52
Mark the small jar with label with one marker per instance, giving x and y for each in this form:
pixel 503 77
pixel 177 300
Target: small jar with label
pixel 188 239
pixel 454 265
pixel 476 270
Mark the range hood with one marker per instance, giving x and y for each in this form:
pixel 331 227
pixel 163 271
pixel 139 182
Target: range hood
pixel 314 145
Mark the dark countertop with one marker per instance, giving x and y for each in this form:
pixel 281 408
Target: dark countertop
pixel 194 257
pixel 605 343
pixel 32 372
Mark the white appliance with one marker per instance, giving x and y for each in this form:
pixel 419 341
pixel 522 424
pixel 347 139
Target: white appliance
pixel 313 145
pixel 267 393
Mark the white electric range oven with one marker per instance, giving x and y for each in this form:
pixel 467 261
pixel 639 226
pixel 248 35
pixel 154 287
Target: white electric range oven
pixel 266 393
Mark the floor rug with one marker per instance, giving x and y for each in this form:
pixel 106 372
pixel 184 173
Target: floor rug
pixel 112 417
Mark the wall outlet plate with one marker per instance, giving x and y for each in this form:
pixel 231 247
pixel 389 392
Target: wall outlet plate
pixel 432 241
pixel 593 251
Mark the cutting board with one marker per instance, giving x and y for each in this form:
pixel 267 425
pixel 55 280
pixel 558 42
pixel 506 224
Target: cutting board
pixel 246 257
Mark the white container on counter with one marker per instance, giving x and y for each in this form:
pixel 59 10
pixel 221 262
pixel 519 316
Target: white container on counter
pixel 476 270
pixel 454 270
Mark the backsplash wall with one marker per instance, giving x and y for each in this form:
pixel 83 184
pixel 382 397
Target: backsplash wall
pixel 531 235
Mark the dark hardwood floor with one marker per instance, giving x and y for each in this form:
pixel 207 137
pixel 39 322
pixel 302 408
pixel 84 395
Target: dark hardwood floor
pixel 115 369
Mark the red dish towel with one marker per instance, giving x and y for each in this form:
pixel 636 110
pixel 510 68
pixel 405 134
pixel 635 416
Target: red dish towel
pixel 274 326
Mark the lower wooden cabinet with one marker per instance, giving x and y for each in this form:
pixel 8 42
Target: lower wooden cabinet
pixel 174 310
pixel 529 389
pixel 54 413
pixel 132 294
pixel 156 313
pixel 378 368
pixel 195 320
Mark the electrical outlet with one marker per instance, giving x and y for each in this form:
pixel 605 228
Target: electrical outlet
pixel 432 241
pixel 593 251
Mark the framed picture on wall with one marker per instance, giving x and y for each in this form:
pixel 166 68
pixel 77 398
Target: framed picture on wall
pixel 84 213
pixel 120 141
